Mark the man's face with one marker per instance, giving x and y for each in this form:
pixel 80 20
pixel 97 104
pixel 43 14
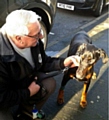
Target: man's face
pixel 34 35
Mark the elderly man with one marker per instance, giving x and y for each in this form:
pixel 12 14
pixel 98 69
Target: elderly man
pixel 22 56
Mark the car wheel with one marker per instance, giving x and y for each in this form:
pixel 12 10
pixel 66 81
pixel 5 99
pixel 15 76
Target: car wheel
pixel 44 33
pixel 99 8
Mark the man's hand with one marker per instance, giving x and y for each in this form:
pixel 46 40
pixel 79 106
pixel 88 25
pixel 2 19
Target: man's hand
pixel 34 88
pixel 72 61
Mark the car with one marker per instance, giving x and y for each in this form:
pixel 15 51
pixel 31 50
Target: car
pixel 45 8
pixel 95 5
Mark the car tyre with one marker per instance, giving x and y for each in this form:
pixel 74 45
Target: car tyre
pixel 98 9
pixel 44 33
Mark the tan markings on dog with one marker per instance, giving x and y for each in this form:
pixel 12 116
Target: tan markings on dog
pixel 60 98
pixel 89 76
pixel 83 102
pixel 89 58
pixel 94 76
pixel 82 57
pixel 71 76
pixel 89 68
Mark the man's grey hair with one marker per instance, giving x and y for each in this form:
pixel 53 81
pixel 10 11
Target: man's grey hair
pixel 17 21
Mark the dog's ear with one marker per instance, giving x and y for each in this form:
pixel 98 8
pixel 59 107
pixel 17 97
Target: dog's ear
pixel 81 49
pixel 102 54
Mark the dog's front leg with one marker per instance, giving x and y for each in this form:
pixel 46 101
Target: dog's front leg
pixel 60 98
pixel 83 102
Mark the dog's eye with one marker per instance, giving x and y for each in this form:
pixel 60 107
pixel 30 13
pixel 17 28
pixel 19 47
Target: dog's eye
pixel 92 61
pixel 89 57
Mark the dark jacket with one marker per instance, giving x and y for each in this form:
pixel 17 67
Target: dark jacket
pixel 16 72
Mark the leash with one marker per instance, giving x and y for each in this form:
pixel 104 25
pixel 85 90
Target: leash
pixel 41 76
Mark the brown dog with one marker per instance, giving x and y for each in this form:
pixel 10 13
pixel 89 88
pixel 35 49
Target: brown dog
pixel 81 45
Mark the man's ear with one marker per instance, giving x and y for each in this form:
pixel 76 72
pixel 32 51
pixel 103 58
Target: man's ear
pixel 81 49
pixel 18 38
pixel 102 54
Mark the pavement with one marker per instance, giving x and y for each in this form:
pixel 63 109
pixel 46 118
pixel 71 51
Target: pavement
pixel 97 108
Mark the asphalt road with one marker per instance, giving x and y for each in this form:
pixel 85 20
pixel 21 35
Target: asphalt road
pixel 97 108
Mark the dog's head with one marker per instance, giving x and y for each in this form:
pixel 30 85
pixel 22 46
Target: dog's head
pixel 89 54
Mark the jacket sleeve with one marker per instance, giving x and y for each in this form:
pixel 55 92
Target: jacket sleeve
pixel 9 94
pixel 50 63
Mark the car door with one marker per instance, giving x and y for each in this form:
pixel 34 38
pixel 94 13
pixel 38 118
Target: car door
pixel 6 6
pixel 3 11
pixel 14 4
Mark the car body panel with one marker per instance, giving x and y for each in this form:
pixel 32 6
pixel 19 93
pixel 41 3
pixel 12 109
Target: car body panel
pixel 82 4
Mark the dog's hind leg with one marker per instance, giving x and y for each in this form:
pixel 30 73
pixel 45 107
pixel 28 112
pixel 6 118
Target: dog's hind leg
pixel 60 98
pixel 83 102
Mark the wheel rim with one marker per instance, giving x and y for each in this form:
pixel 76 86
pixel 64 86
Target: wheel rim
pixel 44 33
pixel 101 7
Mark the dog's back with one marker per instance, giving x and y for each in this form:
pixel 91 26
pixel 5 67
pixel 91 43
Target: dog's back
pixel 78 39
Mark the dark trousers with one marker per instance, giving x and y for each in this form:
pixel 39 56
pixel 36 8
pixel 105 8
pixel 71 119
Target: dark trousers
pixel 39 99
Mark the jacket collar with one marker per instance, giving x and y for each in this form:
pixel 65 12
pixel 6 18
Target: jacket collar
pixel 7 53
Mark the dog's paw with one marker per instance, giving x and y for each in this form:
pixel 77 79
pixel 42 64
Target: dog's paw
pixel 83 104
pixel 94 76
pixel 60 98
pixel 60 102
